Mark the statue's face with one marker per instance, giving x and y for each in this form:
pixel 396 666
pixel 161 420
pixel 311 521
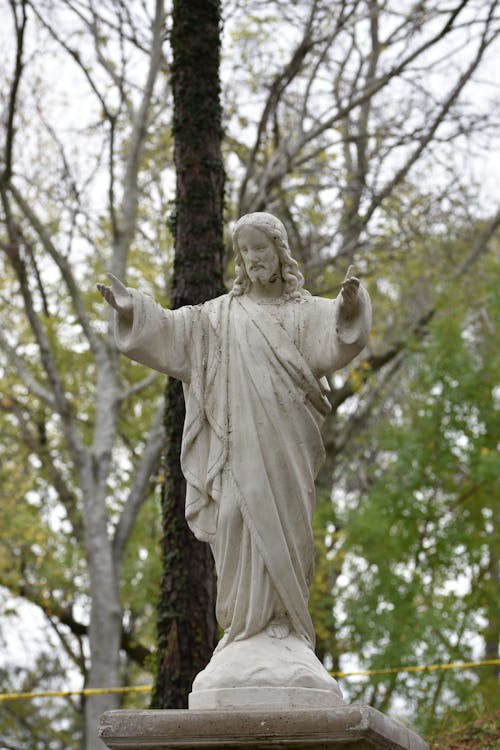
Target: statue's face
pixel 259 255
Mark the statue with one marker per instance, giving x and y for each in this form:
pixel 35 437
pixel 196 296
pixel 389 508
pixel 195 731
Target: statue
pixel 253 363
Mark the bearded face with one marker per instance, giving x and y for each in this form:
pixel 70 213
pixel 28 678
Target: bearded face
pixel 259 255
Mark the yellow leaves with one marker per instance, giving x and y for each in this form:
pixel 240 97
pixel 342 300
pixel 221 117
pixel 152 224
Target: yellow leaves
pixel 355 380
pixel 357 376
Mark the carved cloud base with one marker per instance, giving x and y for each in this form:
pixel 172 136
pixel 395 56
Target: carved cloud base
pixel 265 672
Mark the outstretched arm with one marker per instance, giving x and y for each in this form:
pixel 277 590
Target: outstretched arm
pixel 148 333
pixel 338 329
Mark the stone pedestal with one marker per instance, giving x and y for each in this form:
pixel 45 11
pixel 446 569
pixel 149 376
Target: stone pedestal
pixel 356 727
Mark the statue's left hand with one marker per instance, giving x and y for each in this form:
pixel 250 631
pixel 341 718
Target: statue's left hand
pixel 349 294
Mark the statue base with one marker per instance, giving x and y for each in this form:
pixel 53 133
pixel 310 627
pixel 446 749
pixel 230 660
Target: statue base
pixel 264 672
pixel 281 698
pixel 355 727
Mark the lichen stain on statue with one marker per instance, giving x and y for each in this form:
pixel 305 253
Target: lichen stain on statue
pixel 254 363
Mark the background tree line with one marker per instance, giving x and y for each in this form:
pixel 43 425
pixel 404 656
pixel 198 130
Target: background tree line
pixel 366 127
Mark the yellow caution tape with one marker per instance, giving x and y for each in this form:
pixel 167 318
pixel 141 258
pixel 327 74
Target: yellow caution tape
pixel 148 688
pixel 427 668
pixel 84 691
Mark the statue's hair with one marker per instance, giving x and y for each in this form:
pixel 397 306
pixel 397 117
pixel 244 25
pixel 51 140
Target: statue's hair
pixel 293 280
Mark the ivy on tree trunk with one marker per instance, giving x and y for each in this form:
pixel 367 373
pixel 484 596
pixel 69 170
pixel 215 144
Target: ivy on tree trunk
pixel 187 628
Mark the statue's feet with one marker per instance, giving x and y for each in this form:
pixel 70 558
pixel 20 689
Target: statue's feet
pixel 278 628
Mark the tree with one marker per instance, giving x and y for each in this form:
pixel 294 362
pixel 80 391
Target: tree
pixel 186 622
pixel 415 536
pixel 74 431
pixel 363 95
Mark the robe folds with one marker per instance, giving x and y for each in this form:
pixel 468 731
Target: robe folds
pixel 255 402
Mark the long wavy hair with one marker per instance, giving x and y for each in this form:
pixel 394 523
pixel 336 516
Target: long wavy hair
pixel 273 228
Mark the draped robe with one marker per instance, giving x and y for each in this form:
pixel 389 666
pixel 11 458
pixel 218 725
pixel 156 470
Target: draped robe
pixel 255 402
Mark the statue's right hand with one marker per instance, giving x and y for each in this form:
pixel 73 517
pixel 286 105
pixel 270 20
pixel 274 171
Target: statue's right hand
pixel 117 295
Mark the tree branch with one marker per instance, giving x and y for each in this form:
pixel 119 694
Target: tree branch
pixel 427 138
pixel 480 246
pixel 64 615
pixel 285 162
pixel 36 441
pixel 63 266
pixel 375 362
pixel 32 384
pixel 20 27
pixel 278 86
pixel 356 421
pixel 75 55
pixel 125 226
pixel 77 659
pixel 94 25
pixel 140 386
pixel 137 493
pixel 61 403
pixel 126 220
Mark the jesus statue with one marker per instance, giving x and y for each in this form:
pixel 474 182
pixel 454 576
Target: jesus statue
pixel 254 363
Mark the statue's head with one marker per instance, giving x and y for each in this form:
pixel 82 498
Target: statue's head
pixel 274 230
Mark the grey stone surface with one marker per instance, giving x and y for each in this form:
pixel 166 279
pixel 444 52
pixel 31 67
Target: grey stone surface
pixel 355 727
pixel 275 698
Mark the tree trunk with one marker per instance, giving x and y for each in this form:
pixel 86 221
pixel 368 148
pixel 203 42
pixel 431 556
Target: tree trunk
pixel 105 624
pixel 186 618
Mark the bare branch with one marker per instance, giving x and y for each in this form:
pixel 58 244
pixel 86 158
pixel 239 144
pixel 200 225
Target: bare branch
pixel 128 214
pixel 60 401
pixel 63 266
pixel 284 162
pixel 138 491
pixel 136 651
pixel 358 420
pixel 438 120
pixel 75 55
pixel 281 81
pixel 375 362
pixel 140 386
pixel 104 22
pixel 480 246
pixel 20 26
pixel 94 25
pixel 75 658
pixel 32 384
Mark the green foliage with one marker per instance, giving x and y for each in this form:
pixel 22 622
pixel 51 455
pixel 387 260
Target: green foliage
pixel 328 566
pixel 478 733
pixel 140 582
pixel 43 723
pixel 420 543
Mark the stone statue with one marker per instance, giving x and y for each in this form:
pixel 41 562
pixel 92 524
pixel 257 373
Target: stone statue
pixel 253 363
